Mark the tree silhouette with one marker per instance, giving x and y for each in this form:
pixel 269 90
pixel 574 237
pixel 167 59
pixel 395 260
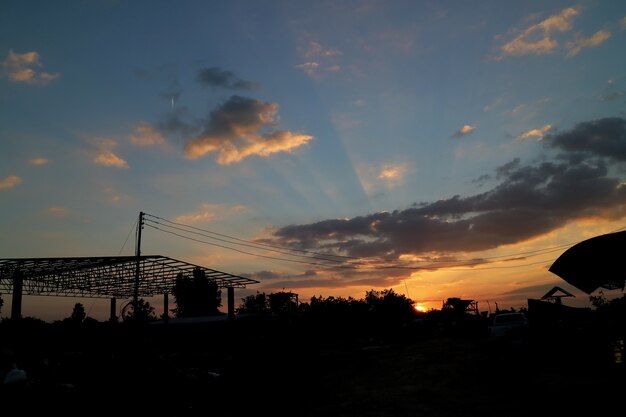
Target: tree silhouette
pixel 283 303
pixel 78 314
pixel 139 311
pixel 196 295
pixel 388 305
pixel 254 304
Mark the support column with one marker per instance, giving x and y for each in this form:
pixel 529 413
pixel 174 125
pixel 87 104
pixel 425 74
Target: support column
pixel 231 303
pixel 16 301
pixel 166 308
pixel 112 317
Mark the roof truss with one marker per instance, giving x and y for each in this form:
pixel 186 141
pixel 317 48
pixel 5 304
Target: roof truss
pixel 105 276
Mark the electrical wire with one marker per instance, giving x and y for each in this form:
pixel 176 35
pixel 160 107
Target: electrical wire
pixel 349 262
pixel 248 242
pixel 243 252
pixel 128 236
pixel 326 256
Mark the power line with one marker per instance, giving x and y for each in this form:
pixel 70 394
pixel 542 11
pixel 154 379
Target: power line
pixel 361 264
pixel 127 236
pixel 349 262
pixel 243 252
pixel 327 256
pixel 251 245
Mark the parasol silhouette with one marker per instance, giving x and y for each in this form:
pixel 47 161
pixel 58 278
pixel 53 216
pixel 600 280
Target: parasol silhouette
pixel 594 263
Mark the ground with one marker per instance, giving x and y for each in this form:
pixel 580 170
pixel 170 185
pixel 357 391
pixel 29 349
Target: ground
pixel 242 368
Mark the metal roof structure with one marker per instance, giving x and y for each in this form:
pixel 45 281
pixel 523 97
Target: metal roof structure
pixel 105 276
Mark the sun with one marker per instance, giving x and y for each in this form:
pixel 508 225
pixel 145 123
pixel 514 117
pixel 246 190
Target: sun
pixel 420 307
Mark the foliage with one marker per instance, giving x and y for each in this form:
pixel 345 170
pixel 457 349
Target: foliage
pixel 283 303
pixel 254 304
pixel 78 314
pixel 337 308
pixel 598 301
pixel 139 311
pixel 196 295
pixel 388 305
pixel 609 311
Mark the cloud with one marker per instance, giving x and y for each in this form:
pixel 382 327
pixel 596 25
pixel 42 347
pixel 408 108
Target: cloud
pixel 209 212
pixel 113 196
pixel 330 279
pixel 612 96
pixel 465 130
pixel 537 38
pixel 145 135
pixel 217 77
pixel 242 127
pixel 535 133
pixel 393 174
pixel 622 23
pixel 600 138
pixel 315 49
pixel 528 202
pixel 58 211
pixel 39 161
pixel 23 68
pixel 104 154
pixel 489 107
pixel 318 58
pixel 309 67
pixel 581 42
pixel 9 182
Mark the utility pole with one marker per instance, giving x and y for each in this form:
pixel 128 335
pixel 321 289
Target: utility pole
pixel 138 265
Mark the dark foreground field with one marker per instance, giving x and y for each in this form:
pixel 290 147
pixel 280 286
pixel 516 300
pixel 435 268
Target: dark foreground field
pixel 250 367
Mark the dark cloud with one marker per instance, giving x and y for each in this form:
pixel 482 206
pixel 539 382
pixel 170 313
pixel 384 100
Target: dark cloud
pixel 242 127
pixel 217 77
pixel 339 278
pixel 264 275
pixel 602 137
pixel 529 201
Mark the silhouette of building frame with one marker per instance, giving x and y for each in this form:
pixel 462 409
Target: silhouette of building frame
pixel 104 277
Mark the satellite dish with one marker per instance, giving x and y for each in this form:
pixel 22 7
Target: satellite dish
pixel 598 262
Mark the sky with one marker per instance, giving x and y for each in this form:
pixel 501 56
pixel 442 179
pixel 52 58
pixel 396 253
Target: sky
pixel 437 148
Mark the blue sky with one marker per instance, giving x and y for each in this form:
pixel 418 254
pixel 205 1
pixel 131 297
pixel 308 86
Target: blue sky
pixel 442 148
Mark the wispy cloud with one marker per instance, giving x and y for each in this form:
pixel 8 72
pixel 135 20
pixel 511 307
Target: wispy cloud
pixel 612 96
pixel 393 174
pixel 104 153
pixel 57 211
pixel 39 161
pixel 24 68
pixel 308 67
pixel 538 38
pixel 535 133
pixel 580 42
pixel 114 196
pixel 218 77
pixel 9 182
pixel 489 107
pixel 318 58
pixel 242 127
pixel 315 49
pixel 145 135
pixel 209 212
pixel 465 130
